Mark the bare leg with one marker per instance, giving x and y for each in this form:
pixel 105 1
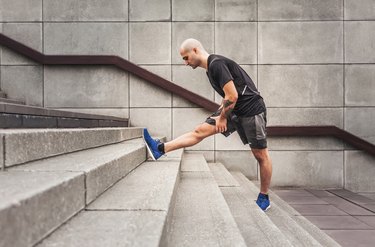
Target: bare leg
pixel 265 165
pixel 191 138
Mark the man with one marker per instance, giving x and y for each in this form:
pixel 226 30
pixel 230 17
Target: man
pixel 242 110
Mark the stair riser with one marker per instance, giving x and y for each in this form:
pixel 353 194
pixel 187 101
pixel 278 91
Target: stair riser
pixel 33 145
pixel 100 179
pixel 26 222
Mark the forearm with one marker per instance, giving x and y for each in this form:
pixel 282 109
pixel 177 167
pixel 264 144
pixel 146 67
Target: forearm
pixel 227 106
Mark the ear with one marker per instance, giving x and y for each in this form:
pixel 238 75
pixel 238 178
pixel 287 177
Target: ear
pixel 195 50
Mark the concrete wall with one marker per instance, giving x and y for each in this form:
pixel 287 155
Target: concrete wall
pixel 313 61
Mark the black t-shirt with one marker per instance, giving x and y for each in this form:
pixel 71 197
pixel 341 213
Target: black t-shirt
pixel 222 70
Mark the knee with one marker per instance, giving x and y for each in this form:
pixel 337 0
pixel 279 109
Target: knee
pixel 262 157
pixel 198 132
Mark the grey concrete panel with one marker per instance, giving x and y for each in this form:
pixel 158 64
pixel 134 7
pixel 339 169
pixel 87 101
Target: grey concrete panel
pixel 150 43
pixel 146 94
pixel 115 112
pixel 29 34
pixel 85 10
pixel 360 85
pixel 301 85
pixel 193 80
pixel 202 31
pixel 110 228
pixel 85 86
pixel 86 39
pixel 359 9
pixel 232 142
pixel 2 158
pixel 156 10
pixel 273 10
pixel 304 143
pixel 240 10
pixel 300 42
pixel 20 10
pixel 33 204
pixel 26 145
pixel 242 161
pixel 305 116
pixel 318 169
pixel 209 156
pixel 157 120
pixel 24 83
pixel 193 10
pixel 237 40
pixel 186 120
pixel 361 122
pixel 149 187
pixel 359 42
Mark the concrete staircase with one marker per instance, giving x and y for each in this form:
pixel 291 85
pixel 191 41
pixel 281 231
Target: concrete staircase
pixel 95 187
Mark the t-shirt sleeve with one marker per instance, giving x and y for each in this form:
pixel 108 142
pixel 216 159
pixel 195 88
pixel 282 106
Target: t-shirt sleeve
pixel 220 73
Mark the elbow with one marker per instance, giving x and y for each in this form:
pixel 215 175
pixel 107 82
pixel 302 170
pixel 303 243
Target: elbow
pixel 234 99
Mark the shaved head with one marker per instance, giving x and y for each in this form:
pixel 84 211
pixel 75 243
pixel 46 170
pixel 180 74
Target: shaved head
pixel 189 44
pixel 193 53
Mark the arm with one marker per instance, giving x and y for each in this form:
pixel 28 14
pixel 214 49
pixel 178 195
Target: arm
pixel 227 106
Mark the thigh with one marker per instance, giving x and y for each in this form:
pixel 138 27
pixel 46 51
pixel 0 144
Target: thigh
pixel 255 130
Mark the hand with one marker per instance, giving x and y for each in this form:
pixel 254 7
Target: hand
pixel 221 124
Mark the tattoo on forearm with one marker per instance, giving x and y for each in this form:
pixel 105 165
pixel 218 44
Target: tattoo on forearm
pixel 227 103
pixel 227 108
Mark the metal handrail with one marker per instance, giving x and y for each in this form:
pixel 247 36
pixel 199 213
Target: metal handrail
pixel 180 91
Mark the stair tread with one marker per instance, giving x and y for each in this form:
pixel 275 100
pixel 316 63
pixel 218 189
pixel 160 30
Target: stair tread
pixel 256 228
pixel 299 230
pixel 149 187
pixel 201 216
pixel 133 212
pixel 24 145
pixel 109 228
pixel 16 186
pixel 32 204
pixel 103 166
pixel 222 176
pixel 84 160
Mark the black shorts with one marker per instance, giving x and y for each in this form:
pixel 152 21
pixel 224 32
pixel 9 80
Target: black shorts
pixel 252 130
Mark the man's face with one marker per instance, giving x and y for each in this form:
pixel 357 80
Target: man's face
pixel 190 58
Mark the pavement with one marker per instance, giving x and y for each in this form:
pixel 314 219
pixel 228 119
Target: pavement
pixel 349 218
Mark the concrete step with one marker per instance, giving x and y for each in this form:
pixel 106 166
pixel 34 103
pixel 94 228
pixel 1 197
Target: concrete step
pixel 222 176
pixel 201 216
pixel 304 223
pixel 23 145
pixel 38 197
pixel 134 212
pixel 298 230
pixel 255 226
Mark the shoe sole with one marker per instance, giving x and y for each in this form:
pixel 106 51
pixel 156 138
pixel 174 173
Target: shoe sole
pixel 149 150
pixel 267 208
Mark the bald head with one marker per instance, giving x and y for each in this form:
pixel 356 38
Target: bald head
pixel 190 44
pixel 193 53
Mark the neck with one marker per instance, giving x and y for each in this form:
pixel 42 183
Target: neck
pixel 204 63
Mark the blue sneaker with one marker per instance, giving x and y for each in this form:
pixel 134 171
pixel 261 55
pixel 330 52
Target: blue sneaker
pixel 263 202
pixel 152 145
